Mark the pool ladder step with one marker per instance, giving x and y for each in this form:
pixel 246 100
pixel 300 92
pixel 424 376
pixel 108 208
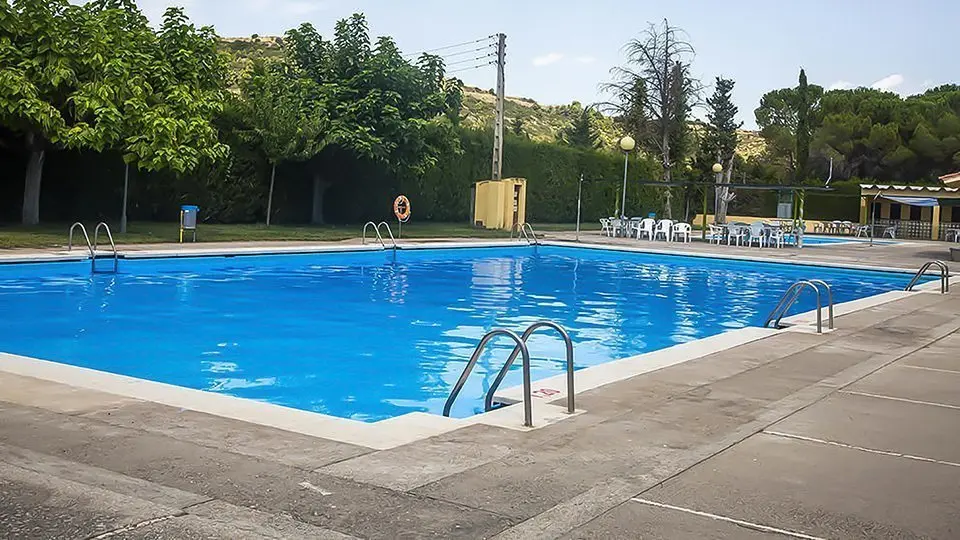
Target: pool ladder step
pixel 92 247
pixel 519 349
pixel 791 296
pixel 376 229
pixel 944 276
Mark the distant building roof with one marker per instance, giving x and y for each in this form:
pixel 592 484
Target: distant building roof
pixel 924 189
pixel 951 179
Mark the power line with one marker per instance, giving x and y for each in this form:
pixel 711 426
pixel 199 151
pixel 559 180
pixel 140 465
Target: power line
pixel 471 59
pixel 460 53
pixel 478 66
pixel 447 47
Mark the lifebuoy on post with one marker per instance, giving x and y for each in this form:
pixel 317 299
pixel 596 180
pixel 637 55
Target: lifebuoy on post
pixel 401 208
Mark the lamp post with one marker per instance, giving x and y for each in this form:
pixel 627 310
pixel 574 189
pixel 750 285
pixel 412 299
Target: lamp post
pixel 579 197
pixel 627 144
pixel 717 170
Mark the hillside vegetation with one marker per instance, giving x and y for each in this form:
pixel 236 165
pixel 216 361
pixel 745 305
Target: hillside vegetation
pixel 542 123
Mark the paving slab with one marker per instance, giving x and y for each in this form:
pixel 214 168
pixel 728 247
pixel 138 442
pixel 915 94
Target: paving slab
pixel 635 520
pixel 55 397
pixel 217 519
pixel 941 356
pixel 879 424
pixel 35 505
pixel 915 384
pixel 821 490
pixel 290 448
pixel 413 465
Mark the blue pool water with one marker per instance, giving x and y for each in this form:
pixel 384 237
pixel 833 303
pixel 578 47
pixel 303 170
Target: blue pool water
pixel 360 336
pixel 810 240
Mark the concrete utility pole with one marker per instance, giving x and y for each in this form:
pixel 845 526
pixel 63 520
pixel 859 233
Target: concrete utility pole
pixel 498 122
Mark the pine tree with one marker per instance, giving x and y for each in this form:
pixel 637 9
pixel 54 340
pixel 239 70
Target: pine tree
pixel 581 133
pixel 720 142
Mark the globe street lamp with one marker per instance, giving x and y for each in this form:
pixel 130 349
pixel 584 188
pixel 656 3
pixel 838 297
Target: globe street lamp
pixel 717 169
pixel 627 144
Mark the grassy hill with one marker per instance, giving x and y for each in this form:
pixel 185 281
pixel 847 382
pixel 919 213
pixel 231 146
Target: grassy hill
pixel 539 122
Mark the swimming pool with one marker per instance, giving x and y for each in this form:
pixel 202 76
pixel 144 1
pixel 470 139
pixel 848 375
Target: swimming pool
pixel 373 335
pixel 812 240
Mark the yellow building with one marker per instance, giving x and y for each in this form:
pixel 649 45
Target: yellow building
pixel 500 204
pixel 918 212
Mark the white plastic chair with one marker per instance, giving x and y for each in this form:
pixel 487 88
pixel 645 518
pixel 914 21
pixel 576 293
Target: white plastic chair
pixel 682 230
pixel 736 232
pixel 758 234
pixel 714 234
pixel 776 236
pixel 862 230
pixel 646 227
pixel 665 228
pixel 605 228
pixel 892 231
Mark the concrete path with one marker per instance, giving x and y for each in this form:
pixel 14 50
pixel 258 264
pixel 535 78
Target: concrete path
pixel 851 434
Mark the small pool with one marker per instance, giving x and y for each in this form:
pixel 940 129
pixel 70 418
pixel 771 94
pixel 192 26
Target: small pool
pixel 813 240
pixel 365 336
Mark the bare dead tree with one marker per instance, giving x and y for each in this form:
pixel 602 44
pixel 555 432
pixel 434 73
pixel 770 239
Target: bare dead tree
pixel 653 93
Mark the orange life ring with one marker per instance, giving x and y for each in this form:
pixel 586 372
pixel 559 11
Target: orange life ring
pixel 401 208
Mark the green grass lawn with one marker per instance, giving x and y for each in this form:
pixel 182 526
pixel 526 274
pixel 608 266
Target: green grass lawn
pixel 55 235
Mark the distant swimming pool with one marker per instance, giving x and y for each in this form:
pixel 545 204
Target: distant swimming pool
pixel 359 335
pixel 811 240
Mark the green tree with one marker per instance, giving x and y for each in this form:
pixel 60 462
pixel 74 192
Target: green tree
pixel 284 115
pixel 379 105
pixel 720 141
pixel 518 127
pixel 652 94
pixel 777 118
pixel 804 104
pixel 581 133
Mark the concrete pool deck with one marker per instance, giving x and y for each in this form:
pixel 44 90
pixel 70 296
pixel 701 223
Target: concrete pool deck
pixel 850 434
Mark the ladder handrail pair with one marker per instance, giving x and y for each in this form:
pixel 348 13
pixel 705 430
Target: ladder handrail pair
pixel 92 247
pixel 522 233
pixel 519 349
pixel 791 296
pixel 376 228
pixel 944 276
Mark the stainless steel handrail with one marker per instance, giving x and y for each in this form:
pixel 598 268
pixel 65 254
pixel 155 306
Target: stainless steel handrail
pixel 527 405
pixel 113 246
pixel 522 229
pixel 85 236
pixel 829 290
pixel 376 228
pixel 389 232
pixel 787 300
pixel 571 408
pixel 944 276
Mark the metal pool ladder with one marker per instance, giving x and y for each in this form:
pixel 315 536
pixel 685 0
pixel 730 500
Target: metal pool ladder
pixel 92 247
pixel 113 247
pixel 376 229
pixel 531 238
pixel 944 276
pixel 791 296
pixel 520 349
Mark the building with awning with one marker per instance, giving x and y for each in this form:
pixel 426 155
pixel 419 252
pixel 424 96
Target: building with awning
pixel 918 212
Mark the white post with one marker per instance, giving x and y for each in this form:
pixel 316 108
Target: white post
pixel 579 193
pixel 123 212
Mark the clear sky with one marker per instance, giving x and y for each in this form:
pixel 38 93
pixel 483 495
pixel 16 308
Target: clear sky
pixel 560 51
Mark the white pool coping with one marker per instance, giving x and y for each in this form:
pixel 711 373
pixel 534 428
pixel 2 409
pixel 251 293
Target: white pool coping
pixel 411 427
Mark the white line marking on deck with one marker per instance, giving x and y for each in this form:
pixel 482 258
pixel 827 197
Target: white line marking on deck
pixel 861 448
pixel 747 524
pixel 311 487
pixel 905 400
pixel 939 370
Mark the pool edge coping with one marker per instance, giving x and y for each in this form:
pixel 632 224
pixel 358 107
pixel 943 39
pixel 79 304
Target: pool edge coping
pixel 415 426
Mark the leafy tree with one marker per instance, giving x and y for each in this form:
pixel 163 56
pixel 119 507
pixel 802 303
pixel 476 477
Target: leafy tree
pixel 777 118
pixel 720 140
pixel 653 92
pixel 284 116
pixel 379 105
pixel 581 133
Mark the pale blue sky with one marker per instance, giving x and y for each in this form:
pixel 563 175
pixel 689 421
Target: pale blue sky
pixel 559 51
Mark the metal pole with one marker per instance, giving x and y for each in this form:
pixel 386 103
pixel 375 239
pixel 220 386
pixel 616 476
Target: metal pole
pixel 123 213
pixel 873 217
pixel 623 200
pixel 579 195
pixel 703 223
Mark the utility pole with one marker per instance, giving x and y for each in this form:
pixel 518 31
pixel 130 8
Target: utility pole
pixel 498 122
